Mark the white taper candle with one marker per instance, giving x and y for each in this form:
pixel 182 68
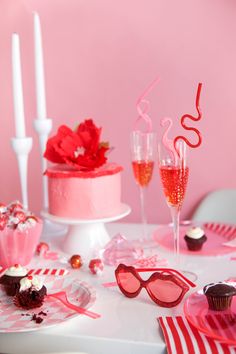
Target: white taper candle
pixel 39 70
pixel 17 87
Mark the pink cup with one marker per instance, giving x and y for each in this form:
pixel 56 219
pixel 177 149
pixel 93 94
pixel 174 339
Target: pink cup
pixel 18 247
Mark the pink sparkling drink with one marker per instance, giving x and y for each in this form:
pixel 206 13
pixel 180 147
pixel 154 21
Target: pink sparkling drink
pixel 143 172
pixel 174 180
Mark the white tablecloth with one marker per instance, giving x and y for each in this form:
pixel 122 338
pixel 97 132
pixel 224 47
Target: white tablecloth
pixel 126 325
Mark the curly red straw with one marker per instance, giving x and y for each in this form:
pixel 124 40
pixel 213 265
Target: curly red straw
pixel 191 128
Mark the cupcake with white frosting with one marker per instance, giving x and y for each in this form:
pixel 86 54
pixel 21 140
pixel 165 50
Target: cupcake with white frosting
pixel 195 238
pixel 10 280
pixel 31 292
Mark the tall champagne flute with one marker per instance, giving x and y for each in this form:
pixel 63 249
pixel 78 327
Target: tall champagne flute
pixel 143 150
pixel 174 177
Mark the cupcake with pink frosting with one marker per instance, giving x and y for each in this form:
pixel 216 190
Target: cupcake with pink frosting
pixel 20 231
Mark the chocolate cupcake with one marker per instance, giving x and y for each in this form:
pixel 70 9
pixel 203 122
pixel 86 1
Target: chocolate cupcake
pixel 195 238
pixel 31 293
pixel 219 295
pixel 10 280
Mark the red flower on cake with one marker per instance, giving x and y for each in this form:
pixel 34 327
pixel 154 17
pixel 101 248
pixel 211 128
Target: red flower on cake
pixel 81 148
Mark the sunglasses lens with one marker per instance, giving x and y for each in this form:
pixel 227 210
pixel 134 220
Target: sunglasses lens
pixel 164 290
pixel 128 282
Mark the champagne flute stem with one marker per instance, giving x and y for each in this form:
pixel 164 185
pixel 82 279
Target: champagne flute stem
pixel 143 211
pixel 175 214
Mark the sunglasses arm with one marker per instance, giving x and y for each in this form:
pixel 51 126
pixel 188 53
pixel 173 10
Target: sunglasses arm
pixel 168 270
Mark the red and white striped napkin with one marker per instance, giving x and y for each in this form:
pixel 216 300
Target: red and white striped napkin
pixel 228 232
pixel 183 338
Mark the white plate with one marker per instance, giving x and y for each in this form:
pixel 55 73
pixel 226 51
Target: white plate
pixel 13 319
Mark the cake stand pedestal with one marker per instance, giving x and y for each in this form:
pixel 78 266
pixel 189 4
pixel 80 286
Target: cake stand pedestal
pixel 52 228
pixel 86 237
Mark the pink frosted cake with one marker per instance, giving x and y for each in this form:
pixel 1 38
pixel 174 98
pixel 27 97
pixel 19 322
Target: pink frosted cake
pixel 82 185
pixel 85 195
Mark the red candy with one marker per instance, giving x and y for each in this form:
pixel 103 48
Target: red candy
pixel 3 221
pixel 31 217
pixel 76 261
pixel 42 248
pixel 15 205
pixel 19 214
pixel 14 216
pixel 96 266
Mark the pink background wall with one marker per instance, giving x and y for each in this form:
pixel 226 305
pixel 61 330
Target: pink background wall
pixel 99 56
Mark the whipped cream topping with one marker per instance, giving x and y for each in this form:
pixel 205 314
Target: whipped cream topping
pixel 16 271
pixel 31 282
pixel 15 203
pixel 195 233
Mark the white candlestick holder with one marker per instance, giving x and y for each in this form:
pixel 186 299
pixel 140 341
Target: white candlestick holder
pixel 22 148
pixel 43 127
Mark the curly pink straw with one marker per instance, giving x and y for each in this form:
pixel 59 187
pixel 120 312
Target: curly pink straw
pixel 168 143
pixel 191 128
pixel 142 111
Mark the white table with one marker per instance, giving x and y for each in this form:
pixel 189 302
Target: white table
pixel 127 325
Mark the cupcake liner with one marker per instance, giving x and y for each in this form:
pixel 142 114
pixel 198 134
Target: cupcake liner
pixel 219 303
pixel 10 283
pixel 11 289
pixel 18 247
pixel 195 245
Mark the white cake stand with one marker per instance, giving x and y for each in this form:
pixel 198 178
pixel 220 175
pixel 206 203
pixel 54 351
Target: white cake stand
pixel 86 237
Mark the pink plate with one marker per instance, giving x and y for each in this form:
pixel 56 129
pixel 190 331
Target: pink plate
pixel 213 246
pixel 219 325
pixel 13 319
